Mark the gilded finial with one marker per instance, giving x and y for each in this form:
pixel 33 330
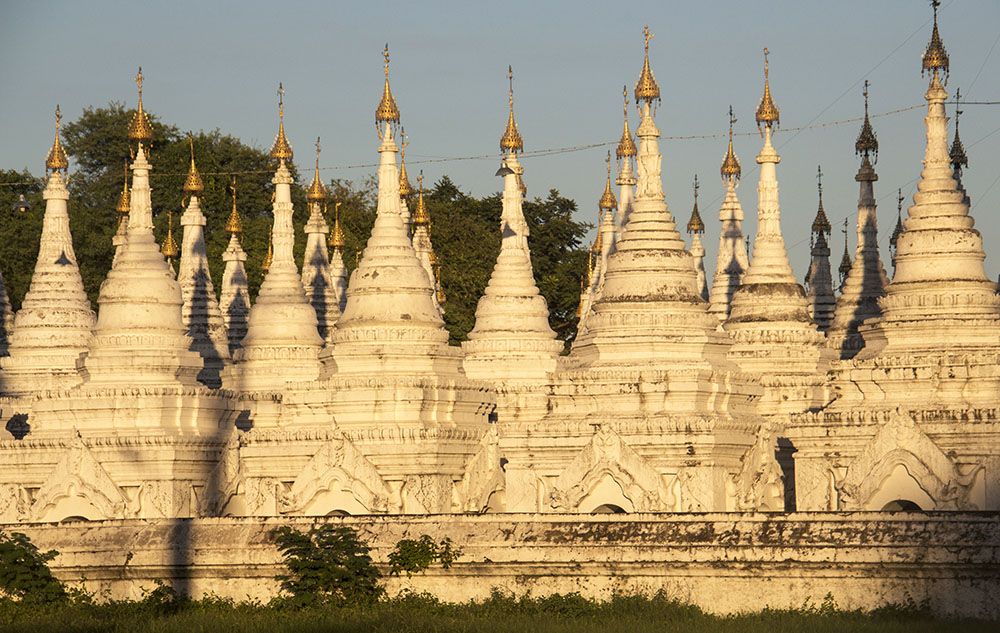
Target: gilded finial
pixel 234 225
pixel 140 130
pixel 281 150
pixel 867 143
pixel 170 249
pixel 337 239
pixel 695 224
pixel 420 215
pixel 935 57
pixel 608 201
pixel 731 164
pixel 387 111
pixel 626 146
pixel 821 224
pixel 56 158
pixel 511 140
pixel 899 220
pixel 845 261
pixel 957 154
pixel 193 184
pixel 316 191
pixel 265 265
pixel 646 89
pixel 767 112
pixel 125 198
pixel 405 188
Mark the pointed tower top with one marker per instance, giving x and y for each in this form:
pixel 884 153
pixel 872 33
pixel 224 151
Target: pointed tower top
pixel 899 219
pixel 193 184
pixel 337 240
pixel 845 261
pixel 265 265
pixel 170 249
pixel 646 89
pixel 626 146
pixel 140 130
pixel 695 224
pixel 234 225
pixel 420 215
pixel 731 164
pixel 281 150
pixel 125 198
pixel 767 112
pixel 316 191
pixel 935 57
pixel 957 154
pixel 511 140
pixel 387 111
pixel 56 159
pixel 821 224
pixel 867 143
pixel 405 188
pixel 608 201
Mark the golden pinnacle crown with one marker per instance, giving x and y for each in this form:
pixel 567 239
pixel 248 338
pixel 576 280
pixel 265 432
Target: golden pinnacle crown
pixel 124 198
pixel 281 150
pixel 337 240
pixel 608 201
pixel 386 112
pixel 193 183
pixel 316 191
pixel 626 146
pixel 234 225
pixel 140 130
pixel 405 188
pixel 867 142
pixel 420 215
pixel 695 224
pixel 56 158
pixel 511 140
pixel 170 249
pixel 731 164
pixel 767 112
pixel 821 223
pixel 935 58
pixel 646 89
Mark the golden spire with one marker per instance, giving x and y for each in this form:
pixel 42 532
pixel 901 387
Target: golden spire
pixel 899 220
pixel 316 192
pixel 170 249
pixel 337 234
pixel 511 140
pixel 56 159
pixel 405 188
pixel 386 112
pixel 269 257
pixel 608 201
pixel 441 298
pixel 767 112
pixel 598 244
pixel 193 184
pixel 626 146
pixel 234 225
pixel 935 57
pixel 957 154
pixel 845 261
pixel 140 130
pixel 420 215
pixel 646 88
pixel 821 224
pixel 867 142
pixel 695 224
pixel 731 164
pixel 281 150
pixel 125 198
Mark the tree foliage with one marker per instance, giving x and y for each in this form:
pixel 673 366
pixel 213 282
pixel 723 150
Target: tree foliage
pixel 327 564
pixel 24 571
pixel 416 555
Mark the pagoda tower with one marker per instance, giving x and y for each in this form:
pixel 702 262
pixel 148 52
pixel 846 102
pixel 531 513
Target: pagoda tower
pixel 626 153
pixel 282 342
pixel 338 271
pixel 866 281
pixel 646 384
pixel 959 159
pixel 170 249
pixel 422 244
pixel 234 294
pixel 52 329
pixel 512 341
pixel 695 228
pixel 770 323
pixel 200 312
pixel 604 244
pixel 819 279
pixel 731 262
pixel 406 190
pixel 122 209
pixel 897 230
pixel 316 279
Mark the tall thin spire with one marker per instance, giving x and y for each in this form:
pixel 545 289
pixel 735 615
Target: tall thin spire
pixel 56 159
pixel 511 140
pixel 387 111
pixel 898 230
pixel 316 191
pixel 281 149
pixel 695 227
pixel 768 115
pixel 338 272
pixel 316 278
pixel 935 58
pixel 731 168
pixel 406 189
pixel 845 260
pixel 170 249
pixel 626 153
pixel 140 130
pixel 646 88
pixel 819 279
pixel 193 184
pixel 234 294
pixel 422 241
pixel 626 146
pixel 731 261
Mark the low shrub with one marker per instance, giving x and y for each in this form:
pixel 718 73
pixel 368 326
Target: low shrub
pixel 414 556
pixel 24 571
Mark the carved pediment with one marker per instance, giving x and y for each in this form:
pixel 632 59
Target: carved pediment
pixel 607 454
pixel 337 462
pixel 483 476
pixel 759 485
pixel 79 474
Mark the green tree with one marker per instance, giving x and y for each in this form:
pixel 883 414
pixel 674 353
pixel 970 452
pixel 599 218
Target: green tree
pixel 21 231
pixel 329 563
pixel 24 571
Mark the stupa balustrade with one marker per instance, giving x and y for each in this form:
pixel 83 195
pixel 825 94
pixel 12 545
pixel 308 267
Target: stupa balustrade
pixel 682 391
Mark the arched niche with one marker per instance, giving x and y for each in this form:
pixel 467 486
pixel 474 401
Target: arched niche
pixel 336 498
pixel 901 505
pixel 607 493
pixel 71 507
pixel 608 508
pixel 899 485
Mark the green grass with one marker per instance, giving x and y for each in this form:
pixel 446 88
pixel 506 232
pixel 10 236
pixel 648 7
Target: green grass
pixel 559 614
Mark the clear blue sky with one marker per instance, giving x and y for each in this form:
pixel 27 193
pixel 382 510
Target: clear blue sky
pixel 217 65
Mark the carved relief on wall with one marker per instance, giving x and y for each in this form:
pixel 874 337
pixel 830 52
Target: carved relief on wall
pixel 607 455
pixel 337 466
pixel 901 443
pixel 79 486
pixel 484 480
pixel 759 485
pixel 226 479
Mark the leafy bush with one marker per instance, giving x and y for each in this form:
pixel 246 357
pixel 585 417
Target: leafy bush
pixel 414 556
pixel 327 564
pixel 25 573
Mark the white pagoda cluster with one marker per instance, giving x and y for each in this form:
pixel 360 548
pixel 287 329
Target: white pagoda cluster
pixel 683 391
